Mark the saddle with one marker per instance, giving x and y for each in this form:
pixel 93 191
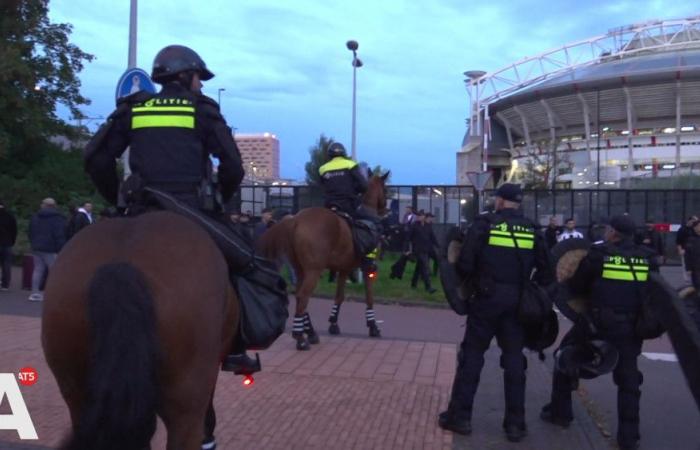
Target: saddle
pixel 261 290
pixel 365 233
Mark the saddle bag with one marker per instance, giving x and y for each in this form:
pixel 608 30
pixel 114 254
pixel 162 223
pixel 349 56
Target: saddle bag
pixel 262 291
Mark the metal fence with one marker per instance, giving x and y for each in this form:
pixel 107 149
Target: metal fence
pixel 457 204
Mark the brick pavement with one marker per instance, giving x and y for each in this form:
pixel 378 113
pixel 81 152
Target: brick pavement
pixel 346 393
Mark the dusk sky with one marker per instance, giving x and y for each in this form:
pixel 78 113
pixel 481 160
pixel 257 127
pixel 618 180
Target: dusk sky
pixel 286 69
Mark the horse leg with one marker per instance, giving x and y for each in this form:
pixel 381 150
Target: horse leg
pixel 339 297
pixel 309 330
pixel 369 312
pixel 209 442
pixel 304 291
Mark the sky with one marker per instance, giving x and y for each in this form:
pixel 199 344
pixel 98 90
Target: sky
pixel 286 69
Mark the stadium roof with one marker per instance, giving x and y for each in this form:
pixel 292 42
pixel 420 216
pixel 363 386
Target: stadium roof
pixel 644 75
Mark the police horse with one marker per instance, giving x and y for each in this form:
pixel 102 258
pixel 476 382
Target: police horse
pixel 317 239
pixel 138 314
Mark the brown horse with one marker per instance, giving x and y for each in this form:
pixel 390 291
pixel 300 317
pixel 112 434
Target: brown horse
pixel 317 239
pixel 138 315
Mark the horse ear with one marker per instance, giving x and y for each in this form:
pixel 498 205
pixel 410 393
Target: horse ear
pixel 386 175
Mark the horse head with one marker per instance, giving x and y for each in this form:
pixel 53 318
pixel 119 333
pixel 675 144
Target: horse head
pixel 375 197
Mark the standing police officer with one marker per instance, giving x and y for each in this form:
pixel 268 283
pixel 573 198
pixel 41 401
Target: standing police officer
pixel 171 135
pixel 501 250
pixel 612 276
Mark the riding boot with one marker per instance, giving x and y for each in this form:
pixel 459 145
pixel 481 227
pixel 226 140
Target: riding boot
pixel 238 360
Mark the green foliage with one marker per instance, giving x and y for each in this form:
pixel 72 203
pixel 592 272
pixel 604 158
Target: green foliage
pixel 59 174
pixel 38 71
pixel 318 156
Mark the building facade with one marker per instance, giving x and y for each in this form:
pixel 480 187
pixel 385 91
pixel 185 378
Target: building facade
pixel 261 156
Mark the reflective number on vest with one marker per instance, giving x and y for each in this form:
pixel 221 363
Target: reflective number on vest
pixel 501 236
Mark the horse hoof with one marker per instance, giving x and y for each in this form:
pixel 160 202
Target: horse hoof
pixel 303 345
pixel 313 338
pixel 334 329
pixel 374 332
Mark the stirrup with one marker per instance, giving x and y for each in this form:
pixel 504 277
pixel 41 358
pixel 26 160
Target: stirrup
pixel 239 365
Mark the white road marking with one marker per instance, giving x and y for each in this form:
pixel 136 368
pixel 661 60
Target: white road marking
pixel 668 357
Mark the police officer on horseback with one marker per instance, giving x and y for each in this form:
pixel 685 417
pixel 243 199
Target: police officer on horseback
pixel 342 181
pixel 171 135
pixel 613 277
pixel 500 251
pixel 343 184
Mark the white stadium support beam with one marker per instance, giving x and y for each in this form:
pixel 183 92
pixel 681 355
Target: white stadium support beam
pixel 678 126
pixel 526 128
pixel 509 133
pixel 586 121
pixel 552 116
pixel 631 123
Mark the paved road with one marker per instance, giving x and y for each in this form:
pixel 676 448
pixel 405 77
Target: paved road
pixel 421 341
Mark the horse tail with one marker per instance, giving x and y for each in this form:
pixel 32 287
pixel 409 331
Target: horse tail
pixel 275 242
pixel 120 407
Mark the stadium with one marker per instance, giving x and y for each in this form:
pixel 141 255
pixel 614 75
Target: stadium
pixel 607 112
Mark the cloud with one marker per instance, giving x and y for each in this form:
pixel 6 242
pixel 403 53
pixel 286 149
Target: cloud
pixel 286 70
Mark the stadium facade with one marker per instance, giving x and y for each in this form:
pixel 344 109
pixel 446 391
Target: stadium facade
pixel 602 112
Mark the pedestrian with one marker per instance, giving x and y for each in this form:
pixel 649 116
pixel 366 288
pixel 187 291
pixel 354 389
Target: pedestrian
pixel 429 220
pixel 692 255
pixel 651 239
pixel 422 241
pixel 81 218
pixel 501 250
pixel 570 231
pixel 684 232
pixel 552 232
pixel 612 276
pixel 407 220
pixel 47 234
pixel 8 237
pixel 245 227
pixel 265 223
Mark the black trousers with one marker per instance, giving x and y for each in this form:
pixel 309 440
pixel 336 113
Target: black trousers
pixel 6 263
pixel 422 270
pixel 626 376
pixel 492 316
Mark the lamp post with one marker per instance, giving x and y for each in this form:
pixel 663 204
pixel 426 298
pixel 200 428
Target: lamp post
pixel 220 90
pixel 356 63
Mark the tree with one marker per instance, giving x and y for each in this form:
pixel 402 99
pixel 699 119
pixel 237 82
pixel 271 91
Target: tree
pixel 542 165
pixel 38 71
pixel 318 156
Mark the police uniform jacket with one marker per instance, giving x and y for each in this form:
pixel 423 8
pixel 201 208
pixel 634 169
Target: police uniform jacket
pixel 342 182
pixel 171 135
pixel 503 248
pixel 613 275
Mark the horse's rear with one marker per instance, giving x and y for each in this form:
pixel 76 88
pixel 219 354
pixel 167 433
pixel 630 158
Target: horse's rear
pixel 137 315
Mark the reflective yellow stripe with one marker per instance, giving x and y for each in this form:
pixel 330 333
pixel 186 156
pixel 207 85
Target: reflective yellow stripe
pixel 337 163
pixel 507 233
pixel 508 242
pixel 162 121
pixel 163 108
pixel 625 267
pixel 372 254
pixel 624 276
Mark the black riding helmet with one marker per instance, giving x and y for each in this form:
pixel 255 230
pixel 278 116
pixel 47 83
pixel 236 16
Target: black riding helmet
pixel 176 59
pixel 336 149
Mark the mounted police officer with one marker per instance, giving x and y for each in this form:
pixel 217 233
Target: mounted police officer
pixel 171 136
pixel 343 184
pixel 500 251
pixel 613 277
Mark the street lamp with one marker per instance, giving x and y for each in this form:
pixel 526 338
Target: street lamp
pixel 356 63
pixel 219 95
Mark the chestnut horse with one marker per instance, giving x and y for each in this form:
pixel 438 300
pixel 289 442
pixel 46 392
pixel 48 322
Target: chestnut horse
pixel 138 314
pixel 316 239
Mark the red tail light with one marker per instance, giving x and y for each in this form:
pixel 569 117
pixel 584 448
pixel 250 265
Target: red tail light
pixel 248 380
